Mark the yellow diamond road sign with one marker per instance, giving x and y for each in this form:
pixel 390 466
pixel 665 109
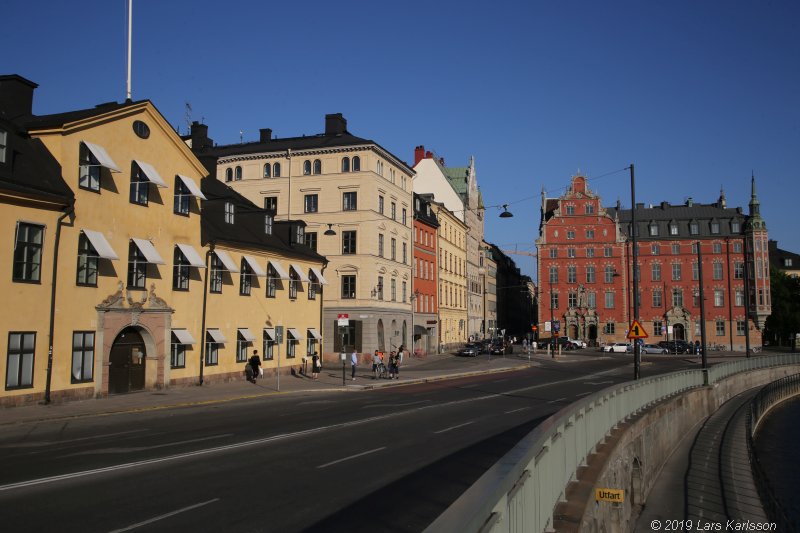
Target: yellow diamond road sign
pixel 637 331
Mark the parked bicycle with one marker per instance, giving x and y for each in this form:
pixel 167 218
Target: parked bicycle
pixel 756 349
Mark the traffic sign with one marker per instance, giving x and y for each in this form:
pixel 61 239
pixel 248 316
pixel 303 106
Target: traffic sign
pixel 636 331
pixel 556 325
pixel 344 319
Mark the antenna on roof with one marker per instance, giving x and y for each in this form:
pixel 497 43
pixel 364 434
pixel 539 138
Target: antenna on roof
pixel 241 136
pixel 130 49
pixel 188 116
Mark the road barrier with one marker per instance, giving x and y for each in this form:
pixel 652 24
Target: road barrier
pixel 521 490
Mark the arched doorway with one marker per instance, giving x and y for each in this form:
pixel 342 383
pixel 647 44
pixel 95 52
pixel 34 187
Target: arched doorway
pixel 381 337
pixel 678 332
pixel 572 331
pixel 593 334
pixel 127 362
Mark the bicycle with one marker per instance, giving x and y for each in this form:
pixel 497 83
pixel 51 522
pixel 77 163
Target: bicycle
pixel 756 349
pixel 381 372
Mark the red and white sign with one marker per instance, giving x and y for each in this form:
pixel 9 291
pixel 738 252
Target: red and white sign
pixel 344 319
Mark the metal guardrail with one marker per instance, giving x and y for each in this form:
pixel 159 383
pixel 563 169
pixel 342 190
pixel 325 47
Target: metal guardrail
pixel 519 493
pixel 769 396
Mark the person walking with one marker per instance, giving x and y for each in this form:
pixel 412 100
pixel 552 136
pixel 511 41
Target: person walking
pixel 253 364
pixel 353 363
pixel 315 366
pixel 398 358
pixel 376 361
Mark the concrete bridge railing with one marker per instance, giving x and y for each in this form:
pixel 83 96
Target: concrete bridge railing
pixel 520 492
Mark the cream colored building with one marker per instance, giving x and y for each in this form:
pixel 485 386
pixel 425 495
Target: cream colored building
pixel 356 198
pixel 453 298
pixel 489 290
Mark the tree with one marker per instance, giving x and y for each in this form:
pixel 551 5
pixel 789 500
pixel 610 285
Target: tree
pixel 784 322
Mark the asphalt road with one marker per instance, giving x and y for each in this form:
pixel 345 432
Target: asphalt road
pixel 382 460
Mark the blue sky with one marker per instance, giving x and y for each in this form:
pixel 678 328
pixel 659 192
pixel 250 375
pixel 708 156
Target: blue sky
pixel 697 94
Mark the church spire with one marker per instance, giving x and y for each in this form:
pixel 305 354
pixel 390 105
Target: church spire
pixel 722 202
pixel 755 205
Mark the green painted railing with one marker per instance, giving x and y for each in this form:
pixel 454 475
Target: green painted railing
pixel 520 492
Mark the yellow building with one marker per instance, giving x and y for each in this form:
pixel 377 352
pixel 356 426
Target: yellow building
pixel 452 246
pixel 117 202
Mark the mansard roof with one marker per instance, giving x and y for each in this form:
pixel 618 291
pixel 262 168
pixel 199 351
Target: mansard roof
pixel 663 214
pixel 423 214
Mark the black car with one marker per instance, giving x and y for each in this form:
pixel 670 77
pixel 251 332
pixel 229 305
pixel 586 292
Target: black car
pixel 677 346
pixel 500 348
pixel 473 349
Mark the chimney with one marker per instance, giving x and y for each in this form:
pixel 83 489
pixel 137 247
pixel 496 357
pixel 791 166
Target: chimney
pixel 441 161
pixel 419 154
pixel 640 205
pixel 689 202
pixel 335 124
pixel 199 136
pixel 16 96
pixel 664 205
pixel 265 135
pixel 428 155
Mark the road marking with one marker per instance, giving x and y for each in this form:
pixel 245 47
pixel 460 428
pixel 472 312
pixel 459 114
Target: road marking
pixel 584 394
pixel 597 382
pixel 144 448
pixel 454 427
pixel 517 410
pixel 163 516
pixel 556 401
pixel 394 404
pixel 352 457
pixel 67 441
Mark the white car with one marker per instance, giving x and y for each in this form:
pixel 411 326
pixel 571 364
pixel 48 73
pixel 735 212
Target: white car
pixel 617 347
pixel 577 343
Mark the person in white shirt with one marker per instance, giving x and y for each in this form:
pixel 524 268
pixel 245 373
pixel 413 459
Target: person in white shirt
pixel 353 363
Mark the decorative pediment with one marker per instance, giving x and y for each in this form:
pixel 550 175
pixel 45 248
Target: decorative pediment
pixel 133 300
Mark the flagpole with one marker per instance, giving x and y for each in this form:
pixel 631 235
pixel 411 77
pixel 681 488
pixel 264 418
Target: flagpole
pixel 130 41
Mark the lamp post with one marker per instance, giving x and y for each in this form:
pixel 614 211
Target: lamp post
pixel 413 299
pixel 702 307
pixel 637 355
pixel 746 275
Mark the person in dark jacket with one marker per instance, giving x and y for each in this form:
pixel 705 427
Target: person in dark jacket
pixel 253 364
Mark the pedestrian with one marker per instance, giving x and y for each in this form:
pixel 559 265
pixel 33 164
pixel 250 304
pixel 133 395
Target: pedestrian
pixel 697 347
pixel 398 358
pixel 254 365
pixel 353 363
pixel 392 361
pixel 401 353
pixel 315 366
pixel 376 360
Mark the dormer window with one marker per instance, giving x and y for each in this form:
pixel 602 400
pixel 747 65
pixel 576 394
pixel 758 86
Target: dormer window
pixel 299 234
pixel 653 229
pixel 694 227
pixel 714 227
pixel 673 228
pixel 229 212
pixel 3 144
pixel 269 220
pixel 735 226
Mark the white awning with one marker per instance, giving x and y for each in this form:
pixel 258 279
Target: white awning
pixel 102 156
pixel 100 244
pixel 257 270
pixel 282 274
pixel 194 190
pixel 151 173
pixel 245 333
pixel 183 336
pixel 149 251
pixel 227 262
pixel 300 272
pixel 216 335
pixel 314 334
pixel 318 274
pixel 295 334
pixel 270 333
pixel 192 256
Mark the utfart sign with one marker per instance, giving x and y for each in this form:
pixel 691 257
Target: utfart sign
pixel 609 495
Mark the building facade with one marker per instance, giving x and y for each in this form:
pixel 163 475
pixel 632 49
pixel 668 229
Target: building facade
pixel 452 238
pixel 426 272
pixel 585 269
pixel 489 290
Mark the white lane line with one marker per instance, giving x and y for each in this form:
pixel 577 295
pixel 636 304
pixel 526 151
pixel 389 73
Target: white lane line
pixel 67 441
pixel 584 394
pixel 597 382
pixel 454 427
pixel 352 457
pixel 516 410
pixel 163 516
pixel 394 404
pixel 131 449
pixel 556 401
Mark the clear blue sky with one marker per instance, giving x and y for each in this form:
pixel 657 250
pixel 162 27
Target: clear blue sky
pixel 697 94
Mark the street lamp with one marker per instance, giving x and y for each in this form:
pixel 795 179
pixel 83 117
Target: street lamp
pixel 506 213
pixel 413 298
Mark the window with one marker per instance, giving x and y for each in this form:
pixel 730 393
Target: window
pixel 405 291
pixel 405 215
pixel 734 226
pixel 317 166
pixel 394 290
pixel 609 300
pixel 653 230
pixel 3 144
pixel 720 327
pixel 405 254
pixel 673 228
pixel 740 328
pixel 394 211
pixel 695 270
pixel 572 299
pixel 379 288
pixel 570 210
pixel 137 267
pixel 716 248
pixel 269 346
pixel 676 248
pixel 349 242
pixel 291 347
pixel 140 189
pixel 311 240
pixel 676 271
pixel 380 204
pixel 657 298
pixel 694 228
pixel 311 203
pixel 553 300
pixel 272 280
pixel 589 209
pixel 589 234
pixel 655 271
pixel 269 222
pixel 394 249
pixel 241 347
pixel 694 248
pixel 212 351
pixel 717 268
pixel 737 247
pixel 237 174
pixel 182 197
pixel 570 235
pixel 348 287
pixel 216 274
pixel 609 274
pixel 19 365
pixel 229 212
pixel 719 298
pixel 177 357
pixel 553 274
pixel 356 164
pixel 608 329
pixel 572 275
pixel 380 245
pixel 276 170
pixel 591 300
pixel 271 204
pixel 655 249
pixel 715 227
pixel 245 278
pixel 89 171
pixel 267 170
pixel 228 174
pixel 677 298
pixel 590 252
pixel 570 252
pixel 313 286
pixel 349 201
pixel 180 271
pixel 82 356
pixel 306 168
pixel 345 164
pixel 294 281
pixel 590 274
pixel 87 262
pixel 553 253
pixel 739 298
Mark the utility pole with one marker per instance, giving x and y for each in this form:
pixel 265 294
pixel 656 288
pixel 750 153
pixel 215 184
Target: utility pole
pixel 746 299
pixel 637 355
pixel 702 307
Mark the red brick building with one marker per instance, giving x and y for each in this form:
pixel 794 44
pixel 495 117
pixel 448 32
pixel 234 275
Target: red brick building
pixel 425 306
pixel 585 269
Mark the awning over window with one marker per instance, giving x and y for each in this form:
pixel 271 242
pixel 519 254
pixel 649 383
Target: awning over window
pixel 295 334
pixel 151 173
pixel 183 336
pixel 100 244
pixel 216 335
pixel 300 272
pixel 257 270
pixel 270 333
pixel 192 256
pixel 420 330
pixel 318 274
pixel 102 156
pixel 227 262
pixel 282 274
pixel 194 190
pixel 246 335
pixel 314 334
pixel 149 251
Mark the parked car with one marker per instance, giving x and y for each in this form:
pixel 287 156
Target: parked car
pixel 617 347
pixel 678 346
pixel 577 342
pixel 473 349
pixel 500 348
pixel 652 348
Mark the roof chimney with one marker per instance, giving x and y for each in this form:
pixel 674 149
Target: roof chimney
pixel 419 153
pixel 689 202
pixel 335 124
pixel 16 96
pixel 199 135
pixel 265 135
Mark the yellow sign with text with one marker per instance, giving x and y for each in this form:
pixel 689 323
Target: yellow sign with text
pixel 609 495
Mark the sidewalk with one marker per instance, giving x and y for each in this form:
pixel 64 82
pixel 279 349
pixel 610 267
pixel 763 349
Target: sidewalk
pixel 413 370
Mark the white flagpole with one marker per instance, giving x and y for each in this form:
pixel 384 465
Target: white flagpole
pixel 130 40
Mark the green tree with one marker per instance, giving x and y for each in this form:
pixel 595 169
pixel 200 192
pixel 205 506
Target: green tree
pixel 784 322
